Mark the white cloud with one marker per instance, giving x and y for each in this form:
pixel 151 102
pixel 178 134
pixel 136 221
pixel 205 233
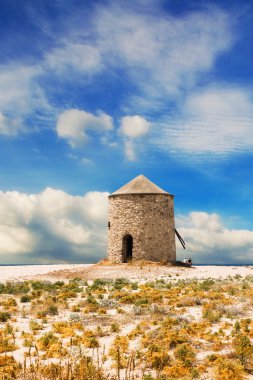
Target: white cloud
pixel 10 127
pixel 73 125
pixel 160 54
pixel 14 240
pixel 74 56
pixel 130 150
pixel 20 96
pixel 215 121
pixel 52 225
pixel 87 162
pixel 16 86
pixel 134 126
pixel 208 240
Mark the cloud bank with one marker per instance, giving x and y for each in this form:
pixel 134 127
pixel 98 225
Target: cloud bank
pixel 53 226
pixel 208 240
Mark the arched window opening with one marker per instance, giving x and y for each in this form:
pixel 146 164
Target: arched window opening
pixel 127 248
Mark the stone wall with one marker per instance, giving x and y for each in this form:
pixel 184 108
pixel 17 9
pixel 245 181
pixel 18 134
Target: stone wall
pixel 149 218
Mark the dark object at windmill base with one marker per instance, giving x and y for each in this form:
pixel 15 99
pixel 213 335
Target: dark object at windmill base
pixel 182 264
pixel 186 262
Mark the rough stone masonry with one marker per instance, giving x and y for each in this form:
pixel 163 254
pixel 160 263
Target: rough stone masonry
pixel 141 223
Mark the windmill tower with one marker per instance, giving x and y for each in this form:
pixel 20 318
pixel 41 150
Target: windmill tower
pixel 141 223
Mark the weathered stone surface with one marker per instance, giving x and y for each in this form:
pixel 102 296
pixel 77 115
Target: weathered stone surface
pixel 149 219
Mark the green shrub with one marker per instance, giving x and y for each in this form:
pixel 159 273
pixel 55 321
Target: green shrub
pixel 2 287
pixel 228 369
pixel 52 310
pixel 185 354
pixel 46 340
pixel 121 282
pixel 98 284
pixel 134 286
pixel 46 285
pixel 243 349
pixel 16 287
pixel 206 284
pixel 4 316
pixel 25 298
pixel 141 301
pixel 115 327
pixel 34 325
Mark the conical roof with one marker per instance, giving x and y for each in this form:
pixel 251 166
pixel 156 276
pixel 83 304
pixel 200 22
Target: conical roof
pixel 139 185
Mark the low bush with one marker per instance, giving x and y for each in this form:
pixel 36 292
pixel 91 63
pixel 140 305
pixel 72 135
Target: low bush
pixel 46 340
pixel 4 316
pixel 228 369
pixel 25 298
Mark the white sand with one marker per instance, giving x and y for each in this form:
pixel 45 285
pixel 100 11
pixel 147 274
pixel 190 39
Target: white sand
pixel 22 272
pixel 134 273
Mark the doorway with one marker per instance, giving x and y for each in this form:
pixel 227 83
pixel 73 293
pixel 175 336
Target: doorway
pixel 127 248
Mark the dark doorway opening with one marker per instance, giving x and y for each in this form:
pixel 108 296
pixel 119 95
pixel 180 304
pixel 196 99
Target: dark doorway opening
pixel 127 248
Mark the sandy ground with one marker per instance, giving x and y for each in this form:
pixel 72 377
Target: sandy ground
pixel 23 272
pixel 137 272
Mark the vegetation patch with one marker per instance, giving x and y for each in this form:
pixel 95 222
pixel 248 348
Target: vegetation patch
pixel 158 330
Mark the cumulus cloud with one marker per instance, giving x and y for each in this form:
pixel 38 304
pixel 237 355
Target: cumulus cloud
pixel 14 240
pixel 209 241
pixel 52 226
pixel 216 121
pixel 133 127
pixel 73 125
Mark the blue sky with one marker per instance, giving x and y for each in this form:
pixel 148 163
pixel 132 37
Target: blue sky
pixel 93 93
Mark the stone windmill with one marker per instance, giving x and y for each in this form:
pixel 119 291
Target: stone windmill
pixel 141 223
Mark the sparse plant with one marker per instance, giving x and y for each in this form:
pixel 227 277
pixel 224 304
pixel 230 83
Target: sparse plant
pixel 243 349
pixel 4 316
pixel 25 298
pixel 228 369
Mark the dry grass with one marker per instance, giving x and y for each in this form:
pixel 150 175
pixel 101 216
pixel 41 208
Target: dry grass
pixel 125 330
pixel 135 263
